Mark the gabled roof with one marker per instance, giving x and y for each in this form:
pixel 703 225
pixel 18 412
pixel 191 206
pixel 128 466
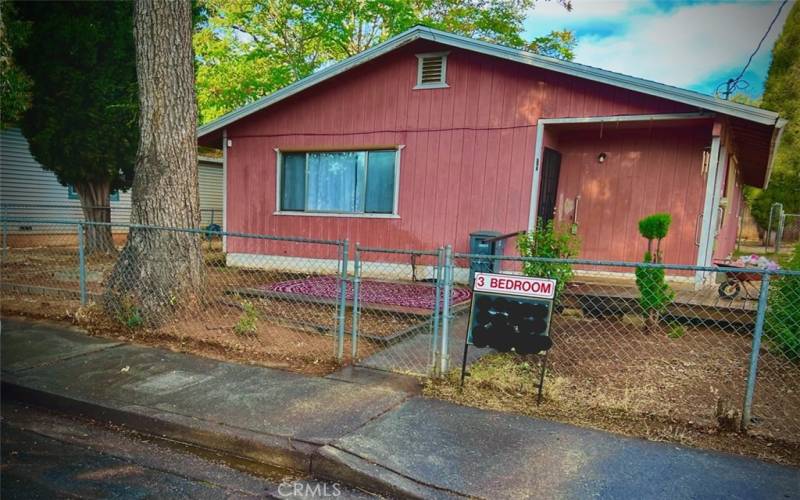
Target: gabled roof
pixel 749 113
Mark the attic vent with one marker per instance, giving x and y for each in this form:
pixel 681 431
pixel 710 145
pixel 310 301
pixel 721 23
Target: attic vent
pixel 431 70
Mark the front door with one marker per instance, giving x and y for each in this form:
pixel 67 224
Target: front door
pixel 548 187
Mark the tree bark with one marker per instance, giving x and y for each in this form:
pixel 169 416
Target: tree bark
pixel 158 269
pixel 95 200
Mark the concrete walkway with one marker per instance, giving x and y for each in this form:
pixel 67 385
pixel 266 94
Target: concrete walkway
pixel 369 435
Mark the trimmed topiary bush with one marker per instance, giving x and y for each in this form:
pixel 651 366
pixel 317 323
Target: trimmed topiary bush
pixel 654 293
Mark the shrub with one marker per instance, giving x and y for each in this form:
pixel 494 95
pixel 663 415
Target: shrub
pixel 782 323
pixel 129 314
pixel 248 321
pixel 654 293
pixel 550 242
pixel 676 331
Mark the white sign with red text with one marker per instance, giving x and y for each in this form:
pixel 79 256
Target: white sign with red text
pixel 523 286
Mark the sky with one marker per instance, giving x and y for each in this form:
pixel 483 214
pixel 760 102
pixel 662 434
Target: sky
pixel 693 44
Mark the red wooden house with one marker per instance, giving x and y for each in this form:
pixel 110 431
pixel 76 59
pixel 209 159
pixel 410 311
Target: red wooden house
pixel 429 136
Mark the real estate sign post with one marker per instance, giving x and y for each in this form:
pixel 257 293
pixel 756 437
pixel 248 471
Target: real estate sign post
pixel 511 313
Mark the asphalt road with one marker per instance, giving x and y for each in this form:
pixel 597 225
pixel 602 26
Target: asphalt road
pixel 51 456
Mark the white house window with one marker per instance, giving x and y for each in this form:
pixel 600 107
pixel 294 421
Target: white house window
pixel 343 182
pixel 431 70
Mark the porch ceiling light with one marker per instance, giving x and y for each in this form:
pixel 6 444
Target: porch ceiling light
pixel 601 158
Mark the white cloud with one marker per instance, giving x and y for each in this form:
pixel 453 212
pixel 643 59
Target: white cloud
pixel 684 46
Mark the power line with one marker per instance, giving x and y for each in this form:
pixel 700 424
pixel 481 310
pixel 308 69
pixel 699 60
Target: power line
pixel 737 83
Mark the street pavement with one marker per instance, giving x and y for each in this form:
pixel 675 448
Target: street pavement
pixel 45 455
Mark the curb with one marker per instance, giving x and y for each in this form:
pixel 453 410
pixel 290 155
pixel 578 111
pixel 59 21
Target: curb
pixel 334 464
pixel 264 449
pixel 319 460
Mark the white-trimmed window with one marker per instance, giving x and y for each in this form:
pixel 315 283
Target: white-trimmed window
pixel 338 182
pixel 432 70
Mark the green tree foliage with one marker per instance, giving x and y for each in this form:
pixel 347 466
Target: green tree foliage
pixel 654 292
pixel 782 324
pixel 782 94
pixel 553 243
pixel 249 48
pixel 82 122
pixel 15 85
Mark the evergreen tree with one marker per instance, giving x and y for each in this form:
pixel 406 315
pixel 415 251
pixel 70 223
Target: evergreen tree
pixel 782 94
pixel 82 119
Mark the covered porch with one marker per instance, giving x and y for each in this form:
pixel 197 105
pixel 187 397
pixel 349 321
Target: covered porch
pixel 598 176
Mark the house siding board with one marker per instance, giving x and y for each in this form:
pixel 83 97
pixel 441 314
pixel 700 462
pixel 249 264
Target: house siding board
pixel 468 157
pixel 639 178
pixel 210 182
pixel 726 241
pixel 29 191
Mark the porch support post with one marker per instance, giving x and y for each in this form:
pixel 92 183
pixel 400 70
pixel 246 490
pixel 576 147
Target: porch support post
pixel 706 239
pixel 537 177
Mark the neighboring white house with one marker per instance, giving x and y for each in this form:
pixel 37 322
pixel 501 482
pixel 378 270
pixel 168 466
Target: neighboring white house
pixel 27 190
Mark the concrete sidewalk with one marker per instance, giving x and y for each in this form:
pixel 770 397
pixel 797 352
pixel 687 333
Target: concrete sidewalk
pixel 269 416
pixel 365 435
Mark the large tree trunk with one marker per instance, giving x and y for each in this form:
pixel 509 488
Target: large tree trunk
pixel 96 206
pixel 160 268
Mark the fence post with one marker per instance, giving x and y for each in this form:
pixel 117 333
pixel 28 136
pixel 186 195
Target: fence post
pixel 82 264
pixel 342 303
pixel 448 275
pixel 753 370
pixel 437 278
pixel 767 237
pixel 779 229
pixel 356 312
pixel 5 238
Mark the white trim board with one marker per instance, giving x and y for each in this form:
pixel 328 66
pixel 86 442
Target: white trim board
pixel 706 227
pixel 224 188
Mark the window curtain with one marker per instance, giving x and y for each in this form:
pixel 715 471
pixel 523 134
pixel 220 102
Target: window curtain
pixel 334 181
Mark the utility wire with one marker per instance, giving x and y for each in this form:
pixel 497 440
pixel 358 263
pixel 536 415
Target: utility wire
pixel 734 83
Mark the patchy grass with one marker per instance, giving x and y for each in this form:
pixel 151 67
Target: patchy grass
pixel 508 383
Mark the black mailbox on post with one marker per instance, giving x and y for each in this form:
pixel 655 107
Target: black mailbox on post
pixel 479 246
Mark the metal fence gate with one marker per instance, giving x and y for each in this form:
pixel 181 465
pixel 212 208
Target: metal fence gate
pixel 783 229
pixel 400 310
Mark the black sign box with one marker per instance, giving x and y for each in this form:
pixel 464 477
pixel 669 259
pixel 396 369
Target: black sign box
pixel 510 322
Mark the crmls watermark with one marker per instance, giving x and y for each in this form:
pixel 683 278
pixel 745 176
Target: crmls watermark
pixel 302 489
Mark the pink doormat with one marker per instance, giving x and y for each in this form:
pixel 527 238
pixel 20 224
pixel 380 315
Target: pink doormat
pixel 411 295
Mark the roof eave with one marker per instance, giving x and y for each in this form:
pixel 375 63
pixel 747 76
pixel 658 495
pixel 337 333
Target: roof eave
pixel 763 116
pixel 311 80
pixel 780 126
pixel 702 101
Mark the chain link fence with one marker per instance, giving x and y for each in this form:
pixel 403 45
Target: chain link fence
pixel 788 231
pixel 711 346
pixel 248 302
pixel 704 345
pixel 783 229
pixel 118 213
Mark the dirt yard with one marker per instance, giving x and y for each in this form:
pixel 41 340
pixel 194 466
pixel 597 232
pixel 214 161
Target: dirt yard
pixel 608 374
pixel 286 332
